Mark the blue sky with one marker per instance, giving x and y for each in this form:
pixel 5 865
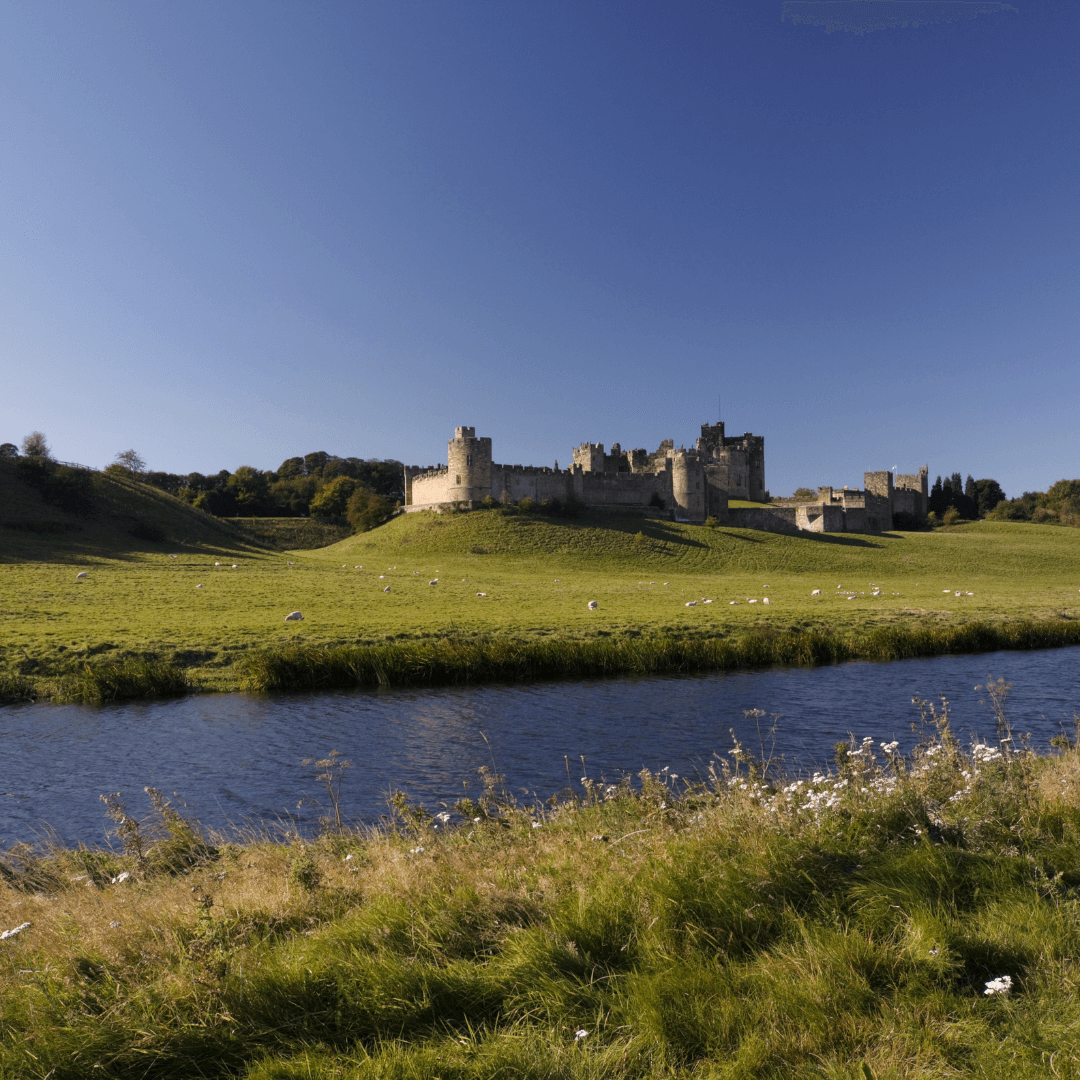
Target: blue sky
pixel 234 232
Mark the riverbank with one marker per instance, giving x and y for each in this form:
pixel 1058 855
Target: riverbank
pixel 896 917
pixel 493 596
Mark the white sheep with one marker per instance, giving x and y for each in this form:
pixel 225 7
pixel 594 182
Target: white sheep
pixel 217 564
pixel 691 603
pixel 434 581
pixel 172 556
pixel 81 576
pixel 387 589
pixel 765 600
pixel 358 567
pixel 294 616
pixel 816 592
pixel 235 567
pixel 593 605
pixel 198 586
pixel 706 601
pixel 481 594
pixel 733 603
pixel 749 601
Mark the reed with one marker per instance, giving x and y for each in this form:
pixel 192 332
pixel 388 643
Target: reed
pixel 453 661
pixel 123 680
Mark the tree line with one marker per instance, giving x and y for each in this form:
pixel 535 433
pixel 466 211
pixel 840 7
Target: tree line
pixel 363 491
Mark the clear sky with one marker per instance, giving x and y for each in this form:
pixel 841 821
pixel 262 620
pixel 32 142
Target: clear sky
pixel 234 232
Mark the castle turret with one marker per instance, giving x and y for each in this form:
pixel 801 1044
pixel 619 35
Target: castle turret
pixel 688 485
pixel 468 466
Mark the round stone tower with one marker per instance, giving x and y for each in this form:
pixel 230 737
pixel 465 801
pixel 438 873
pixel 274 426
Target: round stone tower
pixel 469 466
pixel 688 485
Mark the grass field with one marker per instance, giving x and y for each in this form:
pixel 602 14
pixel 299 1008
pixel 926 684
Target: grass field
pixel 894 918
pixel 537 573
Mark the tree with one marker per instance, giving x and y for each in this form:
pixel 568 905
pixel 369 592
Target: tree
pixel 366 509
pixel 36 448
pixel 131 461
pixel 334 498
pixel 8 451
pixel 249 487
pixel 937 498
pixel 988 495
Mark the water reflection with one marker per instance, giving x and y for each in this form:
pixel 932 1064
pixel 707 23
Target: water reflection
pixel 234 758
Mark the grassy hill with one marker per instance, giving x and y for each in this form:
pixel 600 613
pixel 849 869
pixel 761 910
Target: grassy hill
pixel 501 577
pixel 121 519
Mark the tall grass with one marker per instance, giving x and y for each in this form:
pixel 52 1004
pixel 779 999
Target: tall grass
pixel 452 661
pixel 123 680
pixel 843 925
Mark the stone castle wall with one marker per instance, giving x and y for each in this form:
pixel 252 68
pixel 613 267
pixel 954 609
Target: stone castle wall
pixel 691 484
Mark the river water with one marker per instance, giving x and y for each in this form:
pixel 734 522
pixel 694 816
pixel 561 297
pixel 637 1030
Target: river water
pixel 236 759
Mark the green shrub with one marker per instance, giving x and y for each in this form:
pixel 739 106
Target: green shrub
pixel 952 516
pixel 711 523
pixel 526 505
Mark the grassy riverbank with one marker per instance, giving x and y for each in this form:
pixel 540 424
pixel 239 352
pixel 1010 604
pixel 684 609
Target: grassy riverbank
pixel 511 585
pixel 846 926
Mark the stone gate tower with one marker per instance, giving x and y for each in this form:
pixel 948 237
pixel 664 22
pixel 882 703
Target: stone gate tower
pixel 468 466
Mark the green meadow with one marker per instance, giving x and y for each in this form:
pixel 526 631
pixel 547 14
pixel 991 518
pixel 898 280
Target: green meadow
pixel 205 596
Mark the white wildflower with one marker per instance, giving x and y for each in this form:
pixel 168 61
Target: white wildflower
pixel 580 1034
pixel 537 824
pixel 121 877
pixel 1001 985
pixel 418 850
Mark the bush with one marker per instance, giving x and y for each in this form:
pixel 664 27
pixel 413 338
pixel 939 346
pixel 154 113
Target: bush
pixel 489 503
pixel 71 490
pixel 142 531
pixel 526 505
pixel 711 523
pixel 1045 516
pixel 366 509
pixel 952 516
pixel 932 520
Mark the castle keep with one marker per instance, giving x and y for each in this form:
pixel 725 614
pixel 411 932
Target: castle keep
pixel 688 484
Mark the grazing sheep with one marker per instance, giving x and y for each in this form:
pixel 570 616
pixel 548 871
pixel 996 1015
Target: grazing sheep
pixel 358 567
pixel 172 556
pixel 733 603
pixel 691 603
pixel 816 592
pixel 706 601
pixel 294 616
pixel 290 564
pixel 765 600
pixel 235 567
pixel 434 581
pixel 217 564
pixel 481 594
pixel 80 576
pixel 593 605
pixel 749 601
pixel 387 589
pixel 198 586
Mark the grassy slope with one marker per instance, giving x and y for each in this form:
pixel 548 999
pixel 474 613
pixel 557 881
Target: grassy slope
pixel 843 929
pixel 538 574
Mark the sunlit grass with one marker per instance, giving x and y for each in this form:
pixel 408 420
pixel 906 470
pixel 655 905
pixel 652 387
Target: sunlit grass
pixel 538 575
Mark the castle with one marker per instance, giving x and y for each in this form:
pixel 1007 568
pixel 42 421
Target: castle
pixel 687 484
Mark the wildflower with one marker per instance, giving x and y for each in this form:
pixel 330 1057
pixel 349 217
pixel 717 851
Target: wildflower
pixel 348 858
pixel 121 877
pixel 15 930
pixel 890 747
pixel 580 1034
pixel 1001 985
pixel 418 850
pixel 444 817
pixel 115 923
pixel 536 824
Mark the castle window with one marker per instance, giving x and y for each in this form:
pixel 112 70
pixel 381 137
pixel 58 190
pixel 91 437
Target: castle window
pixel 468 460
pixel 459 479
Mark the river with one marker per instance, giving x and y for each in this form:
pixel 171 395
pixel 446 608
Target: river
pixel 236 759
